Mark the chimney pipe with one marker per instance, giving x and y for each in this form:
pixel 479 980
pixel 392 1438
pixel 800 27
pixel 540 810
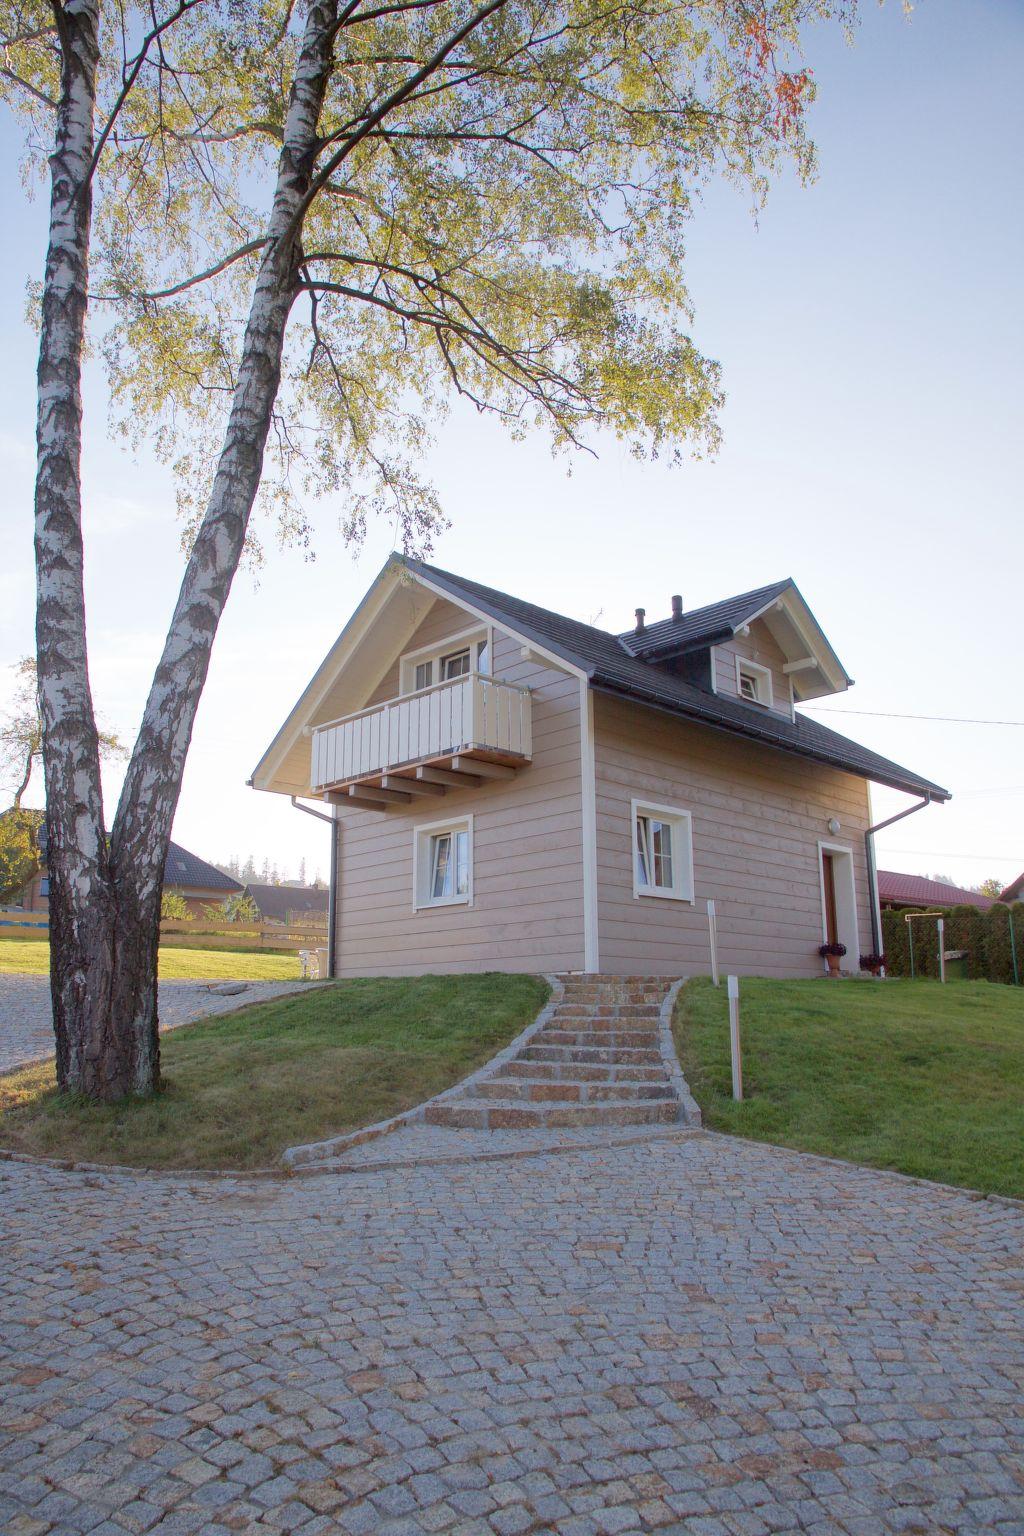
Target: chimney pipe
pixel 640 620
pixel 677 608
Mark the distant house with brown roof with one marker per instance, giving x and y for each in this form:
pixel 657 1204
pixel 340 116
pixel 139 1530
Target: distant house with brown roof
pixel 901 893
pixel 186 875
pixel 289 903
pixel 1014 891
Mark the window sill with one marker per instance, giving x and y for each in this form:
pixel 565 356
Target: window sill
pixel 652 891
pixel 443 901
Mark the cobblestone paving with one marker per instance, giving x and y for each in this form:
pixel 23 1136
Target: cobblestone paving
pixel 697 1336
pixel 26 1026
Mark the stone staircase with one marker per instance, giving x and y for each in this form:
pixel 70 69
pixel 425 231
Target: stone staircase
pixel 596 1061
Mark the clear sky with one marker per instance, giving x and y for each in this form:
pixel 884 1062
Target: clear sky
pixel 871 332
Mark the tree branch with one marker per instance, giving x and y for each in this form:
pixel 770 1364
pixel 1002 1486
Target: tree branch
pixel 184 6
pixel 202 277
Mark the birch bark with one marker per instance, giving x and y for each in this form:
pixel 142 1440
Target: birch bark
pixel 142 826
pixel 81 906
pixel 105 897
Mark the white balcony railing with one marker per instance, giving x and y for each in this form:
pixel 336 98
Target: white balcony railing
pixel 471 714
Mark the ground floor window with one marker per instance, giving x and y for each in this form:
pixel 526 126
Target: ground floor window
pixel 662 851
pixel 443 864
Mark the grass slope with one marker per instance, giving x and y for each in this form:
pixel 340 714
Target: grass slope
pixel 908 1075
pixel 31 957
pixel 238 1090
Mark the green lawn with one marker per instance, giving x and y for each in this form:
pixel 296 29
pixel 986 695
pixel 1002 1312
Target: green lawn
pixel 31 957
pixel 909 1075
pixel 240 1089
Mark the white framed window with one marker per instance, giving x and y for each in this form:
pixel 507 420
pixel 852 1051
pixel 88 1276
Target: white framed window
pixel 460 655
pixel 442 864
pixel 753 682
pixel 662 851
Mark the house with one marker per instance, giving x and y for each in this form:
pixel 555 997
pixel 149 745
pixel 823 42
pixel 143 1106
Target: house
pixel 289 903
pixel 512 789
pixel 902 893
pixel 1014 891
pixel 198 883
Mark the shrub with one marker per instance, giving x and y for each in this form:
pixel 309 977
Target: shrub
pixel 984 935
pixel 174 908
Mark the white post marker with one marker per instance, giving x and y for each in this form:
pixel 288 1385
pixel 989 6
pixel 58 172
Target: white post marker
pixel 733 988
pixel 942 949
pixel 713 934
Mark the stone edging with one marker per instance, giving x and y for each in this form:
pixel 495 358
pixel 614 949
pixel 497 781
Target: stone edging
pixel 689 1109
pixel 294 1158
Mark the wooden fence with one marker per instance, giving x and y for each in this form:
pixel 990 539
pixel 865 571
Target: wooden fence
pixel 194 933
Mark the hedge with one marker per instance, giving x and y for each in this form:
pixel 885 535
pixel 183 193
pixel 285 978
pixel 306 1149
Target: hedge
pixel 984 935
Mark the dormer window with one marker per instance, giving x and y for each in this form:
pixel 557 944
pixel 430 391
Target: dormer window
pixel 753 682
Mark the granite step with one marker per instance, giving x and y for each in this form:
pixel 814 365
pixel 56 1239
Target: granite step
pixel 566 1090
pixel 624 1055
pixel 508 1114
pixel 581 1072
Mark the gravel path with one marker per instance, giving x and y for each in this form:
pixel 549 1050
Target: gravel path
pixel 26 1027
pixel 696 1335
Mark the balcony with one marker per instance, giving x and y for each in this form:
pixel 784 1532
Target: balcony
pixel 456 735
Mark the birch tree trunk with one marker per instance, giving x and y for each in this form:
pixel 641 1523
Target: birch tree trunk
pixel 105 899
pixel 81 901
pixel 142 827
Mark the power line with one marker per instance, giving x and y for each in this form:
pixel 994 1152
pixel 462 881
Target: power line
pixel 943 853
pixel 888 714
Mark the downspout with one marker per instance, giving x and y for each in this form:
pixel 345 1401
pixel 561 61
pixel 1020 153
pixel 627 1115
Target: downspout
pixel 332 892
pixel 869 848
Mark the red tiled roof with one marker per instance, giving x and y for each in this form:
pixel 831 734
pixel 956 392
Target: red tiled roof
pixel 1014 891
pixel 916 891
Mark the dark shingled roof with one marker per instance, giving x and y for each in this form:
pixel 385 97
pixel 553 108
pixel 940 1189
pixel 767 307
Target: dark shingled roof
pixel 609 667
pixel 276 901
pixel 184 869
pixel 704 626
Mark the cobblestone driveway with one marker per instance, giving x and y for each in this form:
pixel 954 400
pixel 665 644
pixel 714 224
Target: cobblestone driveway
pixel 699 1336
pixel 26 1027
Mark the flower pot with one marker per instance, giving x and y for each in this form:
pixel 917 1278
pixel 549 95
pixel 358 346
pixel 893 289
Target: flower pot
pixel 833 964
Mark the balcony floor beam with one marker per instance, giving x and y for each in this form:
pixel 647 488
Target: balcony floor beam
pixel 409 786
pixel 483 768
pixel 430 773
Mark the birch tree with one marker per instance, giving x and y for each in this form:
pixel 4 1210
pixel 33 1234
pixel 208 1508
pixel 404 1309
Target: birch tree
pixel 320 229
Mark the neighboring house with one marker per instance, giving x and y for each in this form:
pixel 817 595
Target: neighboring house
pixel 200 884
pixel 289 903
pixel 511 789
pixel 910 892
pixel 1014 891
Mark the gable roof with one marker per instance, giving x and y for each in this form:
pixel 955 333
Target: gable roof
pixel 607 664
pixel 1014 891
pixel 916 890
pixel 186 870
pixel 276 901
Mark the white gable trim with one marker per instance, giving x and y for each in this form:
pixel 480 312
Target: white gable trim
pixel 323 678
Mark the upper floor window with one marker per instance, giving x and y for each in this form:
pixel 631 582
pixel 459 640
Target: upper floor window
pixel 753 682
pixel 662 851
pixel 422 669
